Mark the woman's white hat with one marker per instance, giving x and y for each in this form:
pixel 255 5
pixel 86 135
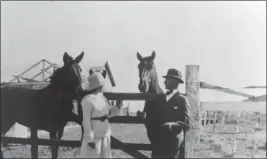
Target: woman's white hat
pixel 95 80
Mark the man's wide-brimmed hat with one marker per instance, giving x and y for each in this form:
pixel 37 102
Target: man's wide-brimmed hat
pixel 96 80
pixel 174 73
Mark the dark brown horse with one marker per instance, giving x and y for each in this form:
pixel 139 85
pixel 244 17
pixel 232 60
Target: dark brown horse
pixel 152 112
pixel 47 109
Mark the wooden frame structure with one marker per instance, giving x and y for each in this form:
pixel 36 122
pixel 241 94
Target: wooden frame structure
pixel 47 68
pixel 42 72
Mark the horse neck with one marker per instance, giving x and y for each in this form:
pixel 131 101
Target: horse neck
pixel 58 92
pixel 154 86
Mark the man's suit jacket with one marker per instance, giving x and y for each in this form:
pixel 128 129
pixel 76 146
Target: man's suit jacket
pixel 177 110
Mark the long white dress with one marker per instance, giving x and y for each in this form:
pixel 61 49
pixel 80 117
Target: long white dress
pixel 95 130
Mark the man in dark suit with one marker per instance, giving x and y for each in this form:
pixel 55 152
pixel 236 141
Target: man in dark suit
pixel 175 118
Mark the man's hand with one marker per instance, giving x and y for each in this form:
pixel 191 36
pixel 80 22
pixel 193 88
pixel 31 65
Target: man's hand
pixel 170 126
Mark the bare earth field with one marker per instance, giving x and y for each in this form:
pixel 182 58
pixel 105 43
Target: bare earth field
pixel 216 144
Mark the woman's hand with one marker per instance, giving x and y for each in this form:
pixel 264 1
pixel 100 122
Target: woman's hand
pixel 91 136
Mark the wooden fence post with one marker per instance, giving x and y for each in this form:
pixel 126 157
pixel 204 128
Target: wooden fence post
pixel 223 118
pixel 214 121
pixel 205 118
pixel 43 70
pixel 254 148
pixel 256 121
pixel 192 137
pixel 255 116
pixel 229 117
pixel 209 117
pixel 237 122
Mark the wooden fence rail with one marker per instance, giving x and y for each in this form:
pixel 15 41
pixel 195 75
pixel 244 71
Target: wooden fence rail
pixel 132 96
pixel 126 120
pixel 234 106
pixel 204 85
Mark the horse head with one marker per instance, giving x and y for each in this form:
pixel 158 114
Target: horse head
pixel 148 83
pixel 68 77
pixel 147 71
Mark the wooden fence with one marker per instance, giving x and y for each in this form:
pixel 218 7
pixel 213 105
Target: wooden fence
pixel 192 137
pixel 235 107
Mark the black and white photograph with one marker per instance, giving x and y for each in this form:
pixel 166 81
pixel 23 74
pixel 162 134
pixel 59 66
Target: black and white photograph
pixel 133 79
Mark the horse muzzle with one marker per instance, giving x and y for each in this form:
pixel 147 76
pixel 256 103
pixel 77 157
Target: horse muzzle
pixel 142 87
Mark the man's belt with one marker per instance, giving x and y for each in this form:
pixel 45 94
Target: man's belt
pixel 102 118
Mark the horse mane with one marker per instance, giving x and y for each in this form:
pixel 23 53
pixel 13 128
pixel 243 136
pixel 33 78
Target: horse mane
pixel 54 78
pixel 155 82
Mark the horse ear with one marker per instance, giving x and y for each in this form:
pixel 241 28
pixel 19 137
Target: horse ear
pixel 79 58
pixel 91 72
pixel 139 57
pixel 153 55
pixel 66 58
pixel 104 73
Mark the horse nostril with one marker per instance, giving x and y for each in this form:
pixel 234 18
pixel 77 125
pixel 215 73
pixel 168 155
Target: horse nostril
pixel 141 87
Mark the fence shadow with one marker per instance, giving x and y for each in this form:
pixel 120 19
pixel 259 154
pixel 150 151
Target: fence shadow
pixel 130 148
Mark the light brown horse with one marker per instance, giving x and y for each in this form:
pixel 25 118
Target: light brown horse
pixel 152 111
pixel 47 109
pixel 149 83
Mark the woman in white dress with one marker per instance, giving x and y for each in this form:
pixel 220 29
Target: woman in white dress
pixel 96 111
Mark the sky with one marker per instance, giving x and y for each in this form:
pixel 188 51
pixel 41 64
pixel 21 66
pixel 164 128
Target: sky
pixel 226 39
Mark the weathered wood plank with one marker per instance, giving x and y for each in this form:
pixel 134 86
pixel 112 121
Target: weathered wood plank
pixel 26 79
pixel 126 120
pixel 192 137
pixel 27 70
pixel 27 83
pixel 204 85
pixel 110 74
pixel 42 72
pixel 133 96
pixel 234 106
